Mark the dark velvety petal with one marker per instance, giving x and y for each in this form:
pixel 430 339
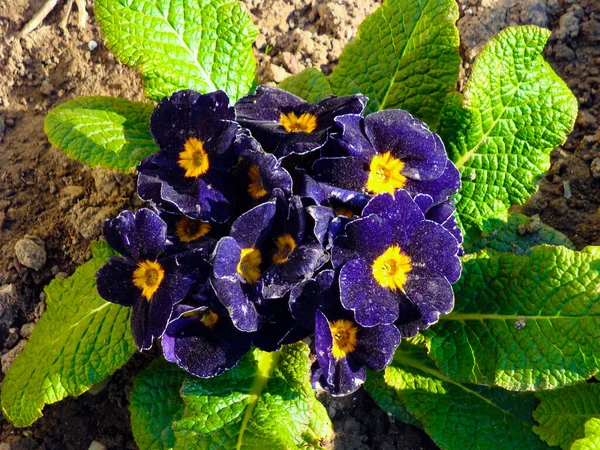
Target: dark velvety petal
pixel 159 313
pixel 304 261
pixel 329 108
pixel 226 258
pixel 322 217
pixel 138 236
pixel 142 334
pixel 313 294
pixel 233 297
pixel 409 140
pixel 266 104
pixel 349 172
pixel 440 189
pixel 272 175
pixel 203 351
pixel 433 247
pixel 375 346
pixel 251 228
pixel 400 208
pixel 370 236
pixel 352 199
pixel 324 346
pixel 342 251
pixel 372 304
pixel 424 202
pixel 276 325
pixel 444 215
pixel 410 321
pixel 353 137
pixel 218 143
pixel 114 282
pixel 306 187
pixel 182 271
pixel 273 284
pixel 300 143
pixel 431 292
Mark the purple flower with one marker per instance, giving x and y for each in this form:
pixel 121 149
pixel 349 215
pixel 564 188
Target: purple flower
pixel 190 173
pixel 237 264
pixel 146 277
pixel 344 348
pixel 385 151
pixel 262 173
pixel 393 258
pixel 285 124
pixel 202 340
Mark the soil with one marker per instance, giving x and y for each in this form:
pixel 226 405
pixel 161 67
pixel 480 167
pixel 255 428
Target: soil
pixel 60 205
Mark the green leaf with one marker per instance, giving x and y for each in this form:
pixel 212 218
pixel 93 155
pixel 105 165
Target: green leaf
pixel 203 45
pixel 155 404
pixel 310 84
pixel 515 110
pixel 319 428
pixel 518 235
pixel 406 56
pixel 591 441
pixel 80 340
pixel 266 401
pixel 102 131
pixel 563 413
pixel 455 415
pixel 523 322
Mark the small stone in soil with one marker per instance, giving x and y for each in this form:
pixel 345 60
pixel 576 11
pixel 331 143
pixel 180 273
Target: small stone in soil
pixel 8 358
pixel 95 445
pixel 27 329
pixel 92 45
pixel 30 254
pixel 595 168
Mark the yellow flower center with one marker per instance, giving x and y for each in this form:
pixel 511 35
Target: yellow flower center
pixel 209 318
pixel 285 246
pixel 147 276
pixel 391 267
pixel 255 188
pixel 249 265
pixel 188 230
pixel 344 337
pixel 193 158
pixel 384 174
pixel 306 123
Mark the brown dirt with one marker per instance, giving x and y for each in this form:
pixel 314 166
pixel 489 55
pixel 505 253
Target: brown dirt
pixel 62 204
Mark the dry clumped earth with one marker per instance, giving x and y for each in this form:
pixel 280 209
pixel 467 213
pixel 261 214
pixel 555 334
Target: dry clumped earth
pixel 51 207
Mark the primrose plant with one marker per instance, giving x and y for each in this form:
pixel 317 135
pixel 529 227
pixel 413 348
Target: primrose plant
pixel 334 232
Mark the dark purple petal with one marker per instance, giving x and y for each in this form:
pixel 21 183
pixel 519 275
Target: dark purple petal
pixel 241 310
pixel 322 217
pixel 138 236
pixel 114 282
pixel 266 104
pixel 409 140
pixel 142 334
pixel 226 258
pixel 440 189
pixel 306 187
pixel 433 247
pixel 324 346
pixel 375 346
pixel 369 236
pixel 431 292
pixel 444 215
pixel 410 321
pixel 353 137
pixel 348 172
pixel 313 294
pixel 327 109
pixel 372 304
pixel 251 228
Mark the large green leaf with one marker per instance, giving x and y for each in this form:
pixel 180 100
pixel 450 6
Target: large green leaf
pixel 515 110
pixel 406 56
pixel 515 236
pixel 203 45
pixel 591 441
pixel 523 322
pixel 310 84
pixel 80 340
pixel 155 404
pixel 563 413
pixel 102 131
pixel 457 416
pixel 266 401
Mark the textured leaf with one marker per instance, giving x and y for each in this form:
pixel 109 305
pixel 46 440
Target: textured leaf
pixel 80 340
pixel 203 45
pixel 319 428
pixel 523 322
pixel 459 416
pixel 591 441
pixel 155 404
pixel 563 413
pixel 515 237
pixel 405 56
pixel 266 401
pixel 515 110
pixel 102 131
pixel 310 84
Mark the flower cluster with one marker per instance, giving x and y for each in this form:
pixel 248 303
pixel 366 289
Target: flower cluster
pixel 276 220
